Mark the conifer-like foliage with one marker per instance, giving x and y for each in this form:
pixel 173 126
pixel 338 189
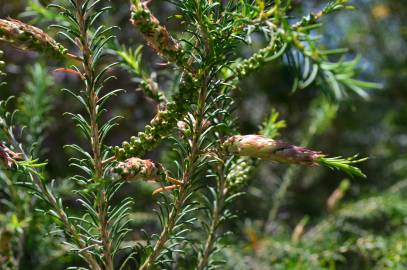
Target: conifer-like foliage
pixel 210 161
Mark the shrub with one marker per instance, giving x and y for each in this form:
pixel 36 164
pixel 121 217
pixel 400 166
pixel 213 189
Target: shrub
pixel 211 161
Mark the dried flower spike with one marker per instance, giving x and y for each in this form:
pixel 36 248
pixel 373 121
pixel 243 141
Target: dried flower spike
pixel 269 149
pixel 280 151
pixel 28 37
pixel 155 34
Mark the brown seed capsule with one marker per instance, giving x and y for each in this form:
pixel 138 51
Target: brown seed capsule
pixel 268 149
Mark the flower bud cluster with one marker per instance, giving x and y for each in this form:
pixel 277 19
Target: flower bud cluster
pixel 257 60
pixel 29 37
pixel 268 149
pixel 156 35
pixel 134 169
pixel 150 88
pixel 162 124
pixel 240 173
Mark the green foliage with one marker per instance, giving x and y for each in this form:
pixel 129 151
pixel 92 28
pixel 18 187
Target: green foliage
pixel 343 164
pixel 312 63
pixel 19 222
pixel 131 60
pixel 35 104
pixel 271 126
pixel 102 226
pixel 364 234
pixel 364 224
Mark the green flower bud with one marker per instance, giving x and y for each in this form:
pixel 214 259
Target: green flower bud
pixel 240 173
pixel 258 59
pixel 162 124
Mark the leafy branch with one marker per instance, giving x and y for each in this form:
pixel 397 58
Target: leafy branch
pixel 343 164
pixel 31 168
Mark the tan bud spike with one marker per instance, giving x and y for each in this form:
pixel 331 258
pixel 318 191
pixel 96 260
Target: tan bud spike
pixel 28 37
pixel 262 147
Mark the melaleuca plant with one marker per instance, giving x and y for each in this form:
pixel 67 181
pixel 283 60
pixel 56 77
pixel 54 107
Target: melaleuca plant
pixel 211 161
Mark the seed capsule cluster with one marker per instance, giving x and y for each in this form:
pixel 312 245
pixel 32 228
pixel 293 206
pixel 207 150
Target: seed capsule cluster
pixel 29 37
pixel 150 88
pixel 134 169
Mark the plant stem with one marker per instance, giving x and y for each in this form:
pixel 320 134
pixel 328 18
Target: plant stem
pixel 186 179
pixel 192 157
pixel 15 257
pixel 102 202
pixel 165 234
pixel 216 217
pixel 42 188
pixel 288 178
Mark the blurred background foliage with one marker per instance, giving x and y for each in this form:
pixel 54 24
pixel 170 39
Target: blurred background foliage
pixel 289 218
